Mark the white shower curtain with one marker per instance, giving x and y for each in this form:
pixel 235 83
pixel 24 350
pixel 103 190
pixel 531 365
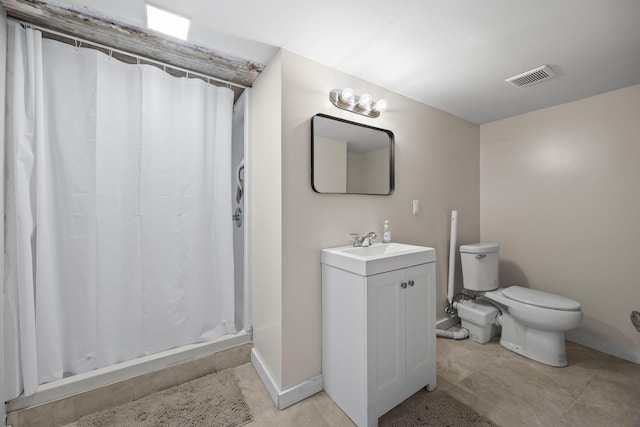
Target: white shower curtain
pixel 118 214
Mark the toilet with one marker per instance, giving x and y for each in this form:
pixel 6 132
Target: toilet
pixel 531 322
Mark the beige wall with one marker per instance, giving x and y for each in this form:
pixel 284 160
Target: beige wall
pixel 266 220
pixel 354 174
pixel 330 165
pixel 375 171
pixel 560 192
pixel 437 162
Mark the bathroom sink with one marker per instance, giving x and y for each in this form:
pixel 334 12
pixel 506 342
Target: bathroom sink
pixel 377 258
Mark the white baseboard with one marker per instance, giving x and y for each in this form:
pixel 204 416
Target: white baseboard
pixel 447 322
pixel 300 392
pixel 290 396
pixel 597 343
pixel 268 382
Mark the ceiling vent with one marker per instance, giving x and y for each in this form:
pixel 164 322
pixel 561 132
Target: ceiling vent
pixel 531 77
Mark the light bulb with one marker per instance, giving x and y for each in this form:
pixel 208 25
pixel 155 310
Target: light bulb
pixel 347 95
pixel 380 105
pixel 365 101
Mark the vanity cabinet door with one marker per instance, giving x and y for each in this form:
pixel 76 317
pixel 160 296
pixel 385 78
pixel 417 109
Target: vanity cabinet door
pixel 421 333
pixel 400 332
pixel 386 339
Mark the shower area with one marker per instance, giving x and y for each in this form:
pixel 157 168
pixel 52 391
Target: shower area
pixel 125 201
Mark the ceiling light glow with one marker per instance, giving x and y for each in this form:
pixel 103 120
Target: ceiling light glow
pixel 167 22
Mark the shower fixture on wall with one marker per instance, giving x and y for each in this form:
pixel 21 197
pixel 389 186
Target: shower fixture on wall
pixel 346 99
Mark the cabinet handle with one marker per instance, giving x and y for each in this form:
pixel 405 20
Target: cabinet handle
pixel 411 283
pixel 403 285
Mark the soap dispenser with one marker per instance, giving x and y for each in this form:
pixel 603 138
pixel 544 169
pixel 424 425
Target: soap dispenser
pixel 386 233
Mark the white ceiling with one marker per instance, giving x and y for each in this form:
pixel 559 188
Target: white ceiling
pixel 450 54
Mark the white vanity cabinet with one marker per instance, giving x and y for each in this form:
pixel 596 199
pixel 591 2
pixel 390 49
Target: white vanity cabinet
pixel 378 336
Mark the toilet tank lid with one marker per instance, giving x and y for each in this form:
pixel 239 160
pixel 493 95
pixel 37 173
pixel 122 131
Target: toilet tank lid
pixel 479 248
pixel 541 299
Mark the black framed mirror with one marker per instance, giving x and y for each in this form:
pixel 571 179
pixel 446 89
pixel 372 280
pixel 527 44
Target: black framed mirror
pixel 350 158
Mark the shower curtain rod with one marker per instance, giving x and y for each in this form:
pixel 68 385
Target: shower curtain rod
pixel 79 41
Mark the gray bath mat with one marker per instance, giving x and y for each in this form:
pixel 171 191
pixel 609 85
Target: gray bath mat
pixel 213 401
pixel 437 409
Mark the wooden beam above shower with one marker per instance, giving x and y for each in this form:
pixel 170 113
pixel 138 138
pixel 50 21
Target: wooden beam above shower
pixel 137 41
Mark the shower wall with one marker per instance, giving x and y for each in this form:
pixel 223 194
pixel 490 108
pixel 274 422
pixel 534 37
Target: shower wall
pixel 239 196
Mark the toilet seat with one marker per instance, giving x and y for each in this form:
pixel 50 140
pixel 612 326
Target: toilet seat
pixel 541 299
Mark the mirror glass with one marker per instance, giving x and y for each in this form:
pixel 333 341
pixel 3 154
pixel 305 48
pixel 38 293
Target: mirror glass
pixel 350 158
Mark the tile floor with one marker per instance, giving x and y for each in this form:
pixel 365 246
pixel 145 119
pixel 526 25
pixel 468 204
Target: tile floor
pixel 594 390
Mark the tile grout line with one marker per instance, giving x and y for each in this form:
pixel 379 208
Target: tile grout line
pixel 596 371
pixel 561 419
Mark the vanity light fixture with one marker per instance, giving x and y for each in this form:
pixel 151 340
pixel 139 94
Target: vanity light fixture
pixel 346 99
pixel 167 22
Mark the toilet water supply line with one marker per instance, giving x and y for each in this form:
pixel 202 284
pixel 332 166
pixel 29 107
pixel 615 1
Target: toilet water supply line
pixel 450 309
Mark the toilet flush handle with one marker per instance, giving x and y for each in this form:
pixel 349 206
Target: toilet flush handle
pixel 480 256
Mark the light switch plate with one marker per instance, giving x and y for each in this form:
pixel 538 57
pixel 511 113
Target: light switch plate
pixel 416 207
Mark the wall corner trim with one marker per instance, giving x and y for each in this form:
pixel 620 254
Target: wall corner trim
pixel 285 398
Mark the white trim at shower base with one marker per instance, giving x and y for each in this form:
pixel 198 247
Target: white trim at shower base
pixel 125 370
pixel 290 396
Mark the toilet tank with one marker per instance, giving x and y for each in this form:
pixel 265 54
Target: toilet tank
pixel 480 266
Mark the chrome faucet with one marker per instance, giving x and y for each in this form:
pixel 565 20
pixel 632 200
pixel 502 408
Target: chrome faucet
pixel 363 241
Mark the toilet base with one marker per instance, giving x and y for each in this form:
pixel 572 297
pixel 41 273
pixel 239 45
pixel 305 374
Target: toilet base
pixel 546 347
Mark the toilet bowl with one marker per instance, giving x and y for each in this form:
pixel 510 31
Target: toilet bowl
pixel 532 322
